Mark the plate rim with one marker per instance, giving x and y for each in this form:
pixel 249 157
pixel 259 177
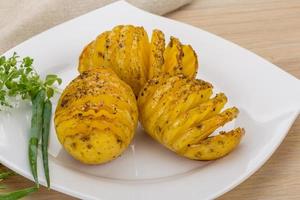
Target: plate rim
pixel 233 184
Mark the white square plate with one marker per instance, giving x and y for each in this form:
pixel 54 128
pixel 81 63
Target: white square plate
pixel 268 98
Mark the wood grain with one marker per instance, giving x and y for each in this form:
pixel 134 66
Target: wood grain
pixel 271 29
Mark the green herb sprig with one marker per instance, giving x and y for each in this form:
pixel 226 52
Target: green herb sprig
pixel 19 80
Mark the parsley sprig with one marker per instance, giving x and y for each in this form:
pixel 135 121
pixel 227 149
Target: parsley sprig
pixel 18 78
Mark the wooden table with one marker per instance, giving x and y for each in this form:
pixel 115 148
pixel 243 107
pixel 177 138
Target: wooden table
pixel 270 28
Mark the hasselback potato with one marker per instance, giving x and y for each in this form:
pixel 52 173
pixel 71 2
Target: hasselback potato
pixel 135 59
pixel 97 113
pixel 179 112
pixel 96 116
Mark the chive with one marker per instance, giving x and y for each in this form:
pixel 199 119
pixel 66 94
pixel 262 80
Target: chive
pixel 45 138
pixel 35 132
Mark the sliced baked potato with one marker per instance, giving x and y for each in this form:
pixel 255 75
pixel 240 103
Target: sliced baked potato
pixel 96 116
pixel 179 112
pixel 127 50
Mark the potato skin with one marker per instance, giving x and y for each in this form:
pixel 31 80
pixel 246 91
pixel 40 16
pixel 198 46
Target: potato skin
pixel 96 116
pixel 179 112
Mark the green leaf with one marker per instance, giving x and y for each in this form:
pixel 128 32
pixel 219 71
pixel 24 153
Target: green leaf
pixel 50 92
pixel 50 79
pixel 27 62
pixel 10 84
pixel 28 70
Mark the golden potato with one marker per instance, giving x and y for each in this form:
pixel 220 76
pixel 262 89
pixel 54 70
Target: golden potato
pixel 127 50
pixel 178 112
pixel 96 116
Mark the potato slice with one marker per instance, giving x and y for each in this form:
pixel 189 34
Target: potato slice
pixel 156 55
pixel 215 147
pixel 189 61
pixel 189 118
pixel 111 47
pixel 86 57
pixel 122 58
pixel 99 50
pixel 144 47
pixel 149 89
pixel 203 129
pixel 162 90
pixel 167 101
pixel 111 43
pixel 173 57
pixel 190 95
pixel 138 59
pixel 180 59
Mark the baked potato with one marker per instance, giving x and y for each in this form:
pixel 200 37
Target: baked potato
pixel 96 116
pixel 127 50
pixel 179 112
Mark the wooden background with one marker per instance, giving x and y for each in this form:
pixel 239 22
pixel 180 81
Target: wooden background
pixel 271 29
